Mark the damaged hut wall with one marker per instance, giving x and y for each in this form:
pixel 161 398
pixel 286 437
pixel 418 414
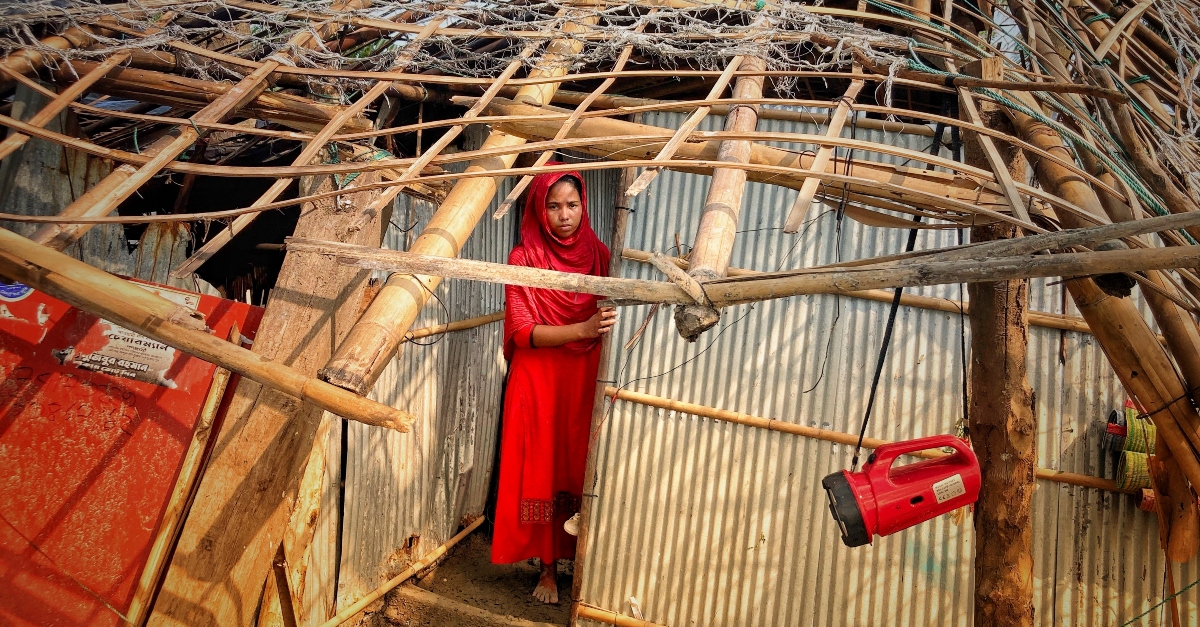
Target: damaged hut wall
pixel 714 524
pixel 41 178
pixel 407 493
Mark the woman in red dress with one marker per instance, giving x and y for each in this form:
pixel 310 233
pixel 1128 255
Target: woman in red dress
pixel 552 343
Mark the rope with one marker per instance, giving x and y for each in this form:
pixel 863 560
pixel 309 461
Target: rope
pixel 1097 18
pixel 1160 603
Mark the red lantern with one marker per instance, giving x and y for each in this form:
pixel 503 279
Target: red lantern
pixel 881 500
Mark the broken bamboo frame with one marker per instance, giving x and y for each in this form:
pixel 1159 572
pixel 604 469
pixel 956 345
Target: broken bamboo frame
pixel 608 617
pixel 51 109
pixel 104 295
pixel 311 150
pixel 827 435
pixel 374 340
pixel 353 609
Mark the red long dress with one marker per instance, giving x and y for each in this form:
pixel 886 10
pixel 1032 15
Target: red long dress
pixel 548 401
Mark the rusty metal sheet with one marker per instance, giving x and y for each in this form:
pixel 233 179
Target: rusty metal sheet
pixel 94 423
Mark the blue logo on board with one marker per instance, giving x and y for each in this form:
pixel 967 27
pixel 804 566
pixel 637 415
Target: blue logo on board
pixel 13 292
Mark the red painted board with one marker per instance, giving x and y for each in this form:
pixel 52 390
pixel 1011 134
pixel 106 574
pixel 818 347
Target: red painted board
pixel 94 424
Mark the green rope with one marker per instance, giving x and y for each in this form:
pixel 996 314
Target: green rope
pixel 342 182
pixel 912 16
pixel 1160 603
pixel 1097 18
pixel 1138 79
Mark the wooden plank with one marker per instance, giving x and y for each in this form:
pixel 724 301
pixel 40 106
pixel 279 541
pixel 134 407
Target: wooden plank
pixel 244 502
pixel 766 286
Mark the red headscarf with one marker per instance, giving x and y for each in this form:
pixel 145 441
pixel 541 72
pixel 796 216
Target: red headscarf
pixel 582 253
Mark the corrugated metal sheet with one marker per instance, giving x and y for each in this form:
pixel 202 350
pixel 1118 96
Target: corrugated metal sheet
pixel 714 524
pixel 407 493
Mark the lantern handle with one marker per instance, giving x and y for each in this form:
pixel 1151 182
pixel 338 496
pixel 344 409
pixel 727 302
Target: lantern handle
pixel 886 455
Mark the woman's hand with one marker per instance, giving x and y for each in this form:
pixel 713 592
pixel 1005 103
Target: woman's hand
pixel 600 323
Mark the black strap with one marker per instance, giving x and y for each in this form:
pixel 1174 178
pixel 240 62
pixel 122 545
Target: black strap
pixel 891 321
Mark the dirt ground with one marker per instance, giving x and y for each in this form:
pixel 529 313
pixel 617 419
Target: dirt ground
pixel 469 577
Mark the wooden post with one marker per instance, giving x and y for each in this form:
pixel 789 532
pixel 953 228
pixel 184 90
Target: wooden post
pixel 620 228
pixel 243 505
pixel 1142 365
pixel 713 245
pixel 1001 414
pixel 376 337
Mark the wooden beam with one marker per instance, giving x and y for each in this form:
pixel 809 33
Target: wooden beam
pixel 1036 318
pixel 376 337
pixel 737 290
pixel 1000 413
pixel 243 506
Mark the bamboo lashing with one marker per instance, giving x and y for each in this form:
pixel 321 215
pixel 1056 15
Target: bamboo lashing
pixel 123 303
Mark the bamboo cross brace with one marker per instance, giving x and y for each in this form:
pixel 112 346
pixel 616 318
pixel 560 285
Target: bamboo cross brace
pixel 104 295
pixel 808 191
pixel 315 145
pixel 61 101
pixel 684 130
pixel 569 124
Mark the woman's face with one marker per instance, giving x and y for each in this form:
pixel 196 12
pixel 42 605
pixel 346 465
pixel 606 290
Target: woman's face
pixel 564 209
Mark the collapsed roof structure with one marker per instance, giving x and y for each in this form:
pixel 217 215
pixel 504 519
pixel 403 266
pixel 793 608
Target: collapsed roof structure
pixel 1064 136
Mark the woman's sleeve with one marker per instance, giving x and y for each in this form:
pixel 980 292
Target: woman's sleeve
pixel 518 312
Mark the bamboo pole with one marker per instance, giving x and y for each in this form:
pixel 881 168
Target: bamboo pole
pixel 737 290
pixel 667 152
pixel 450 327
pixel 353 609
pixel 190 473
pixel 374 340
pixel 123 303
pixel 29 61
pixel 609 617
pixel 1036 318
pixel 616 263
pixel 808 190
pixel 849 439
pixel 713 245
pixel 189 93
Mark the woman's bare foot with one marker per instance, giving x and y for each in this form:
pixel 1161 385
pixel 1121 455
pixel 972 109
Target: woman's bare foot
pixel 547 588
